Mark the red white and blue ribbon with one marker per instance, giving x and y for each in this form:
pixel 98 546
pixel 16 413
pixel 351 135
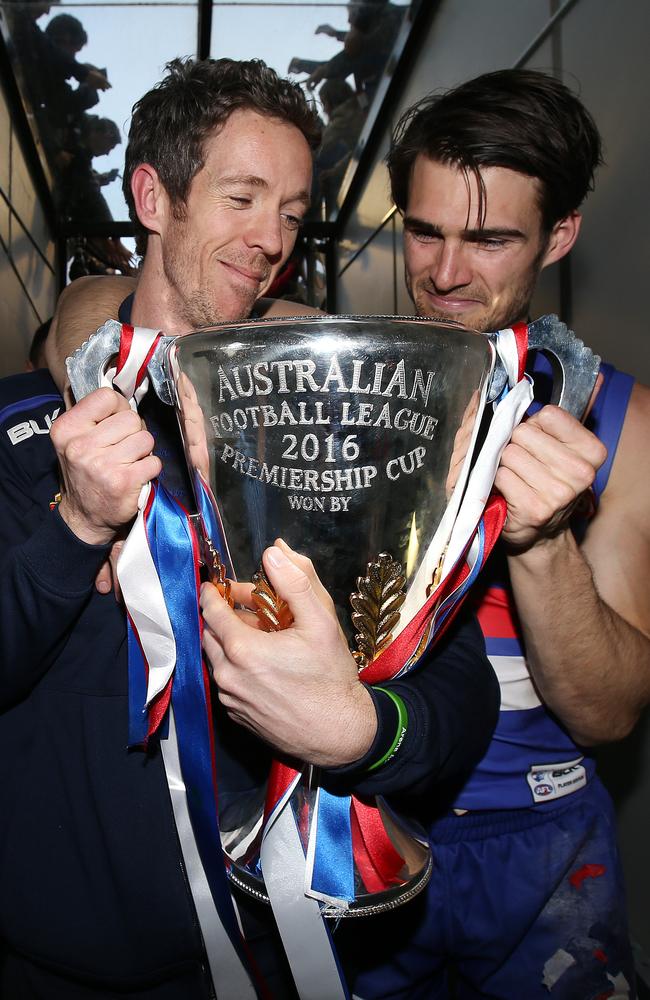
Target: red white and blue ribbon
pixel 169 690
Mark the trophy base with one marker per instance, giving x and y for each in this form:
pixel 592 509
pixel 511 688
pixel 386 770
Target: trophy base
pixel 242 846
pixel 363 906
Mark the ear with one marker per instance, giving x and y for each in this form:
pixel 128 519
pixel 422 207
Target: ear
pixel 563 235
pixel 150 198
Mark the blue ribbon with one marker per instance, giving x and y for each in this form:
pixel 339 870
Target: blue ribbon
pixel 333 871
pixel 138 715
pixel 450 602
pixel 212 524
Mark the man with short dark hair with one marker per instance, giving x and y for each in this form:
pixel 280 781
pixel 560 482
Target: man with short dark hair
pixel 95 899
pixel 526 899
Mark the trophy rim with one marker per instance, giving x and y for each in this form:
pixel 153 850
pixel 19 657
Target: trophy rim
pixel 332 318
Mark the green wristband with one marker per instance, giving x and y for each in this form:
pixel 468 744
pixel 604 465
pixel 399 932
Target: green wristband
pixel 402 724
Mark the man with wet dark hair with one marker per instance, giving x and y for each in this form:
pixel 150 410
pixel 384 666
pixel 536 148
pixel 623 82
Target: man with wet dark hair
pixel 521 120
pixel 526 899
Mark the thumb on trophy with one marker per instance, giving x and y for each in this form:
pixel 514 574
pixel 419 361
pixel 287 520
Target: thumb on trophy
pixel 306 565
pixel 295 580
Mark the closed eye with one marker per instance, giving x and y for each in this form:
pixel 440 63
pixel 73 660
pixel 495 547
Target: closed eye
pixel 292 221
pixel 490 243
pixel 423 235
pixel 493 239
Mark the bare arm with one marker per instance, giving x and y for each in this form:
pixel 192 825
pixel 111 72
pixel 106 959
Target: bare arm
pixel 87 302
pixel 585 612
pixel 83 306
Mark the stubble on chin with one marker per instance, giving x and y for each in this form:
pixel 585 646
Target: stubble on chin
pixel 199 305
pixel 203 311
pixel 493 317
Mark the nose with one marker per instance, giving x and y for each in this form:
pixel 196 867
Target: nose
pixel 450 267
pixel 264 233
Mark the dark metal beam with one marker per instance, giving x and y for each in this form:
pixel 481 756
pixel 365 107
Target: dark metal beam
pixel 204 36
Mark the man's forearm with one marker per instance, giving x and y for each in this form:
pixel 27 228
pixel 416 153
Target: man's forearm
pixel 590 666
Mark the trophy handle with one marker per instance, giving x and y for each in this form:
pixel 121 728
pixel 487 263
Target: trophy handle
pixel 89 362
pixel 575 367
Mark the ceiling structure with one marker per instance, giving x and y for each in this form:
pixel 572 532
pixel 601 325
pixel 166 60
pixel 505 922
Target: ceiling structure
pixel 72 71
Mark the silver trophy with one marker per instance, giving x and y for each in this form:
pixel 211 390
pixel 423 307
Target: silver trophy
pixel 343 436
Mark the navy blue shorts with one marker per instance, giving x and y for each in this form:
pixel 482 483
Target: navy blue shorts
pixel 523 904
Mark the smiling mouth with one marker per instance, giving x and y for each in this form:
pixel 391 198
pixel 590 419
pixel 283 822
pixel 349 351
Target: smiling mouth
pixel 254 277
pixel 451 302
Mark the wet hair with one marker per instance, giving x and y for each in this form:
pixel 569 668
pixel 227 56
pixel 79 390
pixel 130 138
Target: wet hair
pixel 171 123
pixel 519 119
pixel 66 28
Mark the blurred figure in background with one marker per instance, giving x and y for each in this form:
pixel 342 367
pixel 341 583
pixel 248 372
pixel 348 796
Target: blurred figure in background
pixel 366 46
pixel 65 105
pixel 345 118
pixel 79 184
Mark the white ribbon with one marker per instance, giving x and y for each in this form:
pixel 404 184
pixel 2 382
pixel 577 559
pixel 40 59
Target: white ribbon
pixel 229 976
pixel 136 571
pixel 471 492
pixel 145 601
pixel 299 918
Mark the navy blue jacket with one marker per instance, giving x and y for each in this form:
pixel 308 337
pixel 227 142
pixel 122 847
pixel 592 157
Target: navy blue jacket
pixel 92 884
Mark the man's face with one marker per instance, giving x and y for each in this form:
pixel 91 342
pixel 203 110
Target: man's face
pixel 482 276
pixel 240 221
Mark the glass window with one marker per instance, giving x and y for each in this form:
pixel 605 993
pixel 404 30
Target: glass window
pixel 337 51
pixel 80 69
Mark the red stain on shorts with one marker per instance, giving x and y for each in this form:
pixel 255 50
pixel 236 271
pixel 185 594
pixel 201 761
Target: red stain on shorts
pixel 600 955
pixel 587 871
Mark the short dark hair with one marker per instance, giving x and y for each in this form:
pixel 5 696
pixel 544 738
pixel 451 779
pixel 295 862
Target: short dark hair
pixel 520 119
pixel 64 28
pixel 172 121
